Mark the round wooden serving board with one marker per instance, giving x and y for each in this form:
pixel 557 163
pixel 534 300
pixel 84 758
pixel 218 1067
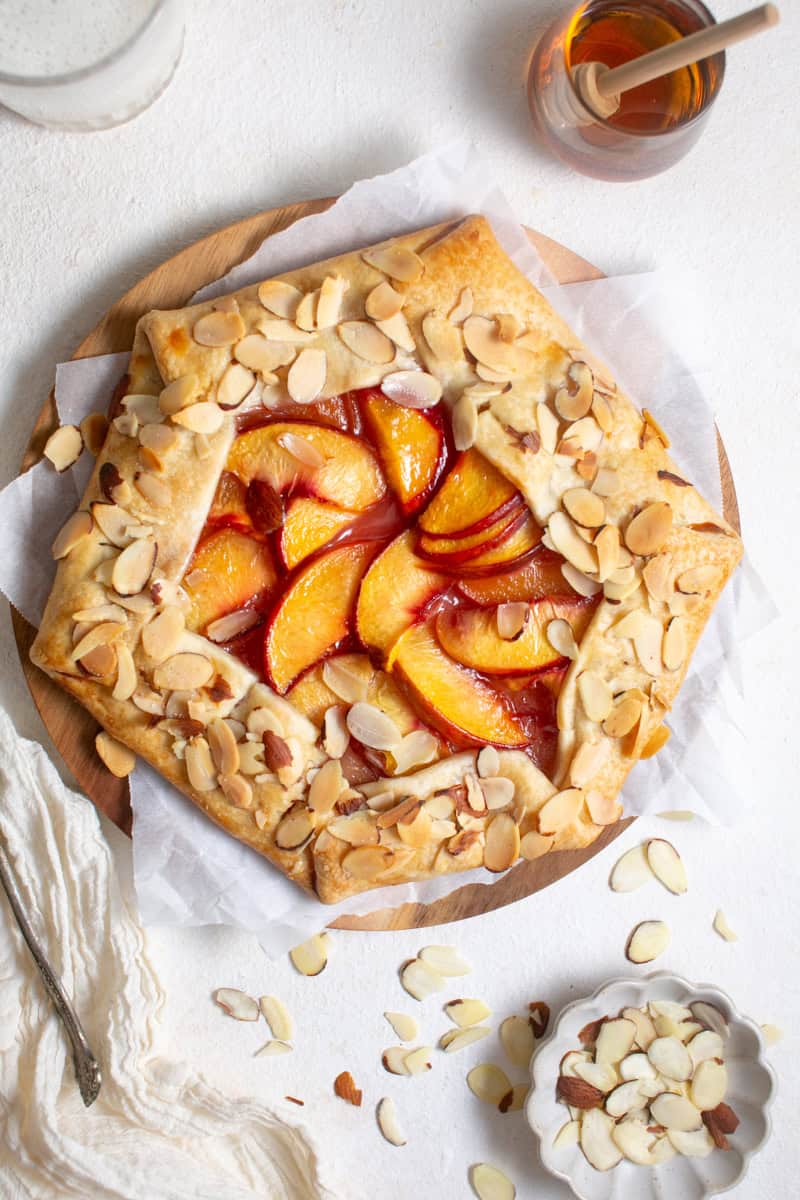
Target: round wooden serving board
pixel 73 729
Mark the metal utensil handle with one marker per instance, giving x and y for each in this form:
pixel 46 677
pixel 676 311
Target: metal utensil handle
pixel 87 1068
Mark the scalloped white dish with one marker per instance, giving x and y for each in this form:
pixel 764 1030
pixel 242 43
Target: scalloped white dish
pixel 751 1089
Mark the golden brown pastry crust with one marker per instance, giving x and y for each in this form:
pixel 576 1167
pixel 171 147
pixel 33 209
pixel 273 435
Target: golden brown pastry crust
pixel 462 267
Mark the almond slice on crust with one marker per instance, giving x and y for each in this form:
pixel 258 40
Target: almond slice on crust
pixel 134 566
pixel 218 329
pixel 398 262
pixel 412 389
pixel 383 302
pixel 306 377
pixel 280 298
pixel 185 671
pixel 74 530
pixel 178 394
pixel 366 341
pixel 94 428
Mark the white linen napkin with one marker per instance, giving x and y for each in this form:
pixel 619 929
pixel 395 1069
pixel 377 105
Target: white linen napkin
pixel 157 1129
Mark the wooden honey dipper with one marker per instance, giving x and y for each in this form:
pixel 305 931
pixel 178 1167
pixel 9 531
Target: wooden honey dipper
pixel 600 87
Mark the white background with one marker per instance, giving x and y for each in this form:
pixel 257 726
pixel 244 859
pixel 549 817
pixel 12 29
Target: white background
pixel 284 101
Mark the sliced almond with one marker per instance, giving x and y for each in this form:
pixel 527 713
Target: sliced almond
pixel 645 1031
pixel 366 341
pixel 637 1066
pixel 464 423
pixel 419 1060
pixel 127 677
pixel 153 489
pixel 586 508
pixel 710 1016
pixel 237 790
pixel 623 717
pixel 178 394
pixel 578 1093
pixel 514 1099
pixel 226 628
pixel 369 862
pixel 489 1083
pixel 601 1076
pixel 709 1085
pixel 501 848
pixel 534 845
pixel 488 762
pixel 224 751
pixel 490 1183
pixel 443 338
pixel 397 330
pixel 597 1142
pixel 404 1026
pixel 670 1057
pixel 575 400
pixel 237 1004
pixel 295 827
pixel 570 544
pixel 445 960
pixel 568 1135
pixel 383 302
pixel 112 520
pixel 666 865
pixel 607 546
pixel 420 979
pixel 205 417
pixel 649 529
pixel 218 329
pixel 326 788
pixel 603 810
pixel 280 298
pixel 696 1144
pixel 516 1036
pixel 703 578
pixel 631 871
pixel 623 1099
pixel 329 303
pixel 722 927
pixel 465 1013
pixel 675 646
pixel 161 636
pixel 186 671
pixel 200 765
pixel 675 1112
pixel 394 1060
pixel 311 957
pixel 272 1048
pixel 772 1034
pixel 388 1123
pixel 614 1041
pixel 458 1039
pixel 413 750
pixel 357 829
pixel 482 339
pixel 134 566
pixel 118 758
pixel 303 450
pixel 348 683
pixel 498 792
pixel 412 389
pixel 647 643
pixel 276 1014
pixel 463 308
pixel 372 727
pixel 648 940
pixel 560 810
pixel 73 531
pixel 596 696
pixel 64 447
pixel 101 634
pixel 511 619
pixel 396 261
pixel 307 374
pixel 561 638
pixel 94 428
pixel 237 382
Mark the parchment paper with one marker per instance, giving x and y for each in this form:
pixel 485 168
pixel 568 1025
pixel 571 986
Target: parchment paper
pixel 187 871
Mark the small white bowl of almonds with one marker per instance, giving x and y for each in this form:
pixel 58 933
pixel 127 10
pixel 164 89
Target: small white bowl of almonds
pixel 650 1088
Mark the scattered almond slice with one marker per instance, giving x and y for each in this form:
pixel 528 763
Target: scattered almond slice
pixel 406 1028
pixel 372 727
pixel 709 1084
pixel 539 1017
pixel 412 389
pixel 568 1135
pixel 614 1041
pixel 489 1083
pixel 458 1039
pixel 670 1057
pixel 696 1144
pixel 388 1123
pixel 665 863
pixel 516 1036
pixel 490 1183
pixel 561 637
pixel 676 1113
pixel 445 960
pixel 418 1061
pixel 722 927
pixel 237 1004
pixel 514 1099
pixel 345 1088
pixel 648 940
pixel 273 1047
pixel 311 957
pixel 64 447
pixel 676 814
pixel 118 758
pixel 465 1013
pixel 277 1017
pixel 631 871
pixel 772 1034
pixel 597 1142
pixel 394 1060
pixel 600 1076
pixel 421 980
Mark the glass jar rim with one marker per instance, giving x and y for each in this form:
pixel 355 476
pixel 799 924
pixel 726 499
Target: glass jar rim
pixel 90 69
pixel 709 18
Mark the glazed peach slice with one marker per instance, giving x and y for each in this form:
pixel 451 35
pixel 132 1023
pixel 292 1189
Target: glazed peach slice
pixel 469 635
pixel 461 706
pixel 229 506
pixel 393 593
pixel 311 694
pixel 410 445
pixel 308 525
pixel 228 571
pixel 316 612
pixel 538 576
pixel 452 551
pixel 473 495
pixel 321 462
pixel 519 540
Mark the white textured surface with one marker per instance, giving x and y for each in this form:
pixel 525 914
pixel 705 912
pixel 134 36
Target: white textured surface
pixel 272 104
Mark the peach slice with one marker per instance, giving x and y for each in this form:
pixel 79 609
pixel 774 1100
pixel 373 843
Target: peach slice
pixel 516 543
pixel 393 593
pixel 464 708
pixel 316 613
pixel 452 551
pixel 538 576
pixel 469 635
pixel 473 495
pixel 309 524
pixel 311 694
pixel 345 472
pixel 228 570
pixel 410 445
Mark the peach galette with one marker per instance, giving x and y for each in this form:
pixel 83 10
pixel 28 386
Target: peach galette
pixel 379 566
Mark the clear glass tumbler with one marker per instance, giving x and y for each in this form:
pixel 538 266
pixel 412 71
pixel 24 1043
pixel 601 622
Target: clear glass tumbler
pixel 657 123
pixel 87 64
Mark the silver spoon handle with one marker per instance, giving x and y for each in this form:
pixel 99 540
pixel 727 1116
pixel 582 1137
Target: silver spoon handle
pixel 87 1068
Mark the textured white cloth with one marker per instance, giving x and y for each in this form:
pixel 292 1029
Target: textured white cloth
pixel 157 1130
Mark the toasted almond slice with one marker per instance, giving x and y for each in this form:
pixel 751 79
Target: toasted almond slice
pixel 112 520
pixel 311 957
pixel 205 417
pixel 587 761
pixel 467 1012
pixel 463 308
pixel 183 672
pixel 465 423
pixel 99 635
pixel 648 940
pixel 348 684
pixel 603 810
pixel 237 790
pixel 161 636
pixel 670 1057
pixel 226 628
pixel 127 678
pixel 571 545
pixel 489 1083
pixel 332 289
pixel 596 696
pixel 326 787
pixel 295 828
pixel 696 1144
pixel 366 341
pixel 418 1061
pixel 94 428
pixel 649 529
pixel 606 482
pixel 394 1060
pixel 534 845
pixel 397 330
pixel 710 1016
pixel 445 960
pixel 404 1026
pixel 657 576
pixel 722 927
pixel 568 1135
pixel 645 1030
pixel 623 717
pixel 280 298
pixel 134 566
pixel 658 738
pixel 597 1141
pixel 153 489
pixel 413 750
pixel 607 545
pixel 218 329
pixel 516 1036
pixel 237 1004
pixel 276 1014
pixel 560 810
pixel 368 862
pixel 421 979
pixel 388 1123
pixel 667 866
pixel 585 507
pixel 614 1040
pixel 383 302
pixel 286 332
pixel 412 389
pixel 501 848
pixel 482 339
pixel 443 338
pixel 498 792
pixel 488 762
pixel 396 261
pixel 301 449
pixel 200 765
pixel 148 701
pixel 675 648
pixel 178 394
pixel 676 1112
pixel 258 353
pixel 225 753
pixel 118 758
pixel 702 578
pixel 357 829
pixel 372 727
pixel 581 583
pixel 306 377
pixel 237 382
pixel 458 1039
pixel 64 447
pixel 631 871
pixel 561 637
pixel 73 531
pixel 647 643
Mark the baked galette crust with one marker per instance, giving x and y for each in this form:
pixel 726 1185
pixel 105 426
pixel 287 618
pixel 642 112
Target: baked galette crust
pixel 535 402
